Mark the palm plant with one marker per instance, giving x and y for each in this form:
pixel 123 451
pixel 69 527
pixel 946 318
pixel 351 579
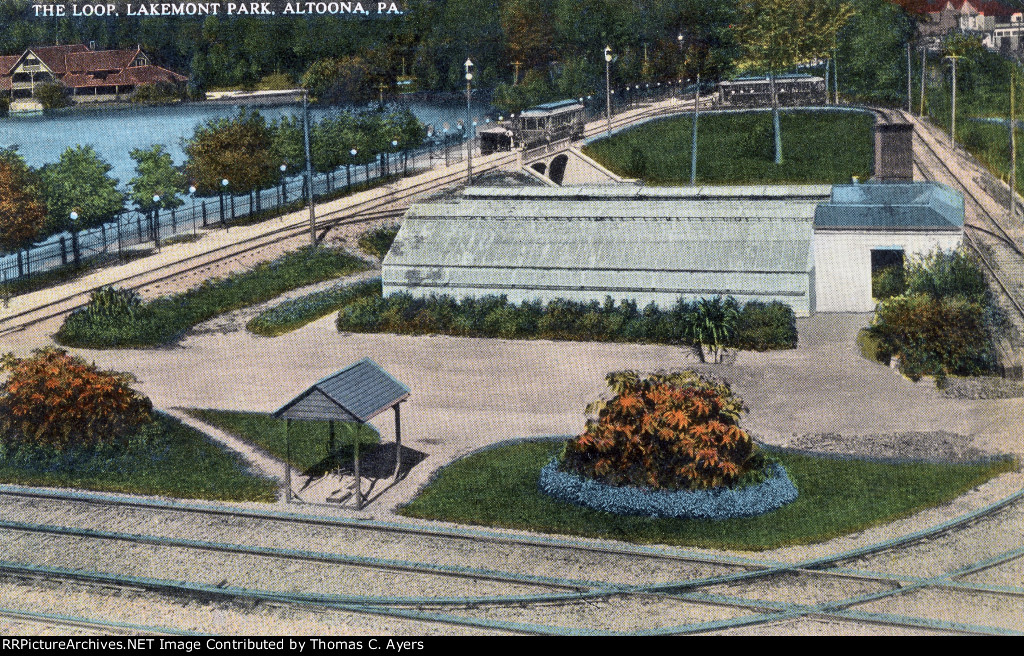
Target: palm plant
pixel 712 325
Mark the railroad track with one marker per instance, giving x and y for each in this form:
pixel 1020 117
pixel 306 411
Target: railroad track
pixel 381 207
pixel 986 233
pixel 386 206
pixel 712 592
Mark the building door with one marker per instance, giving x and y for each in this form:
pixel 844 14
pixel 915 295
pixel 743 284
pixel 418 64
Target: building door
pixel 887 277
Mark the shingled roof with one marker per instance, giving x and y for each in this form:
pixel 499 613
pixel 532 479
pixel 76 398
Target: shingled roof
pixel 359 392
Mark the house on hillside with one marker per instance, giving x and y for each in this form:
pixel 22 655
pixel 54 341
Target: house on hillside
pixel 88 75
pixel 993 22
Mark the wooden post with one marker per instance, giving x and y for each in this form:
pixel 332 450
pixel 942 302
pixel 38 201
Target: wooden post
pixel 287 461
pixel 359 492
pixel 398 440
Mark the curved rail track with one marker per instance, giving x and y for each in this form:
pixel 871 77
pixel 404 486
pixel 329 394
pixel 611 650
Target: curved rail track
pixel 721 592
pixel 447 576
pixel 933 166
pixel 382 206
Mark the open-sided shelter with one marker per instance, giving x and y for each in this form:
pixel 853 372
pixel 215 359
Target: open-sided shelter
pixel 357 393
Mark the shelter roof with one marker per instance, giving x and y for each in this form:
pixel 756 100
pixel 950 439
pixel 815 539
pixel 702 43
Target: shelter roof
pixel 892 206
pixel 359 392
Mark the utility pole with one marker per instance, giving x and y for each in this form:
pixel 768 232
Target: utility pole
pixel 309 168
pixel 924 64
pixel 469 125
pixel 608 86
pixel 517 64
pixel 693 154
pixel 835 75
pixel 910 75
pixel 952 109
pixel 1013 146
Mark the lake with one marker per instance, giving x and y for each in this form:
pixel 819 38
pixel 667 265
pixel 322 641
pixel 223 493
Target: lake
pixel 115 132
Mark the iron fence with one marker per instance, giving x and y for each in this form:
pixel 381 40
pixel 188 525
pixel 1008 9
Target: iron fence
pixel 134 229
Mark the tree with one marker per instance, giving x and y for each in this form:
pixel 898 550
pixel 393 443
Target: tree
pixel 79 182
pixel 344 80
pixel 776 35
pixel 52 95
pixel 156 176
pixel 528 32
pixel 22 213
pixel 239 150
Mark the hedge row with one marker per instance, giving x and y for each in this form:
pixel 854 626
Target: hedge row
pixel 165 318
pixel 719 503
pixel 761 326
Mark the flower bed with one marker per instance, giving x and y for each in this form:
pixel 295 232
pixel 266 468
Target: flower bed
pixel 719 503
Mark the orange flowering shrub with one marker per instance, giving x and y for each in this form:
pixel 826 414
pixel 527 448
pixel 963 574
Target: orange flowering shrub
pixel 57 400
pixel 664 431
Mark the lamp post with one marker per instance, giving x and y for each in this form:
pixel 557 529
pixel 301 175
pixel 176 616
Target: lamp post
pixel 156 221
pixel 679 40
pixel 284 190
pixel 223 184
pixel 469 126
pixel 608 86
pixel 348 170
pixel 74 236
pixel 309 168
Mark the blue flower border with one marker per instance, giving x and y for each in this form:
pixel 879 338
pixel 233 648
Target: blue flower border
pixel 720 503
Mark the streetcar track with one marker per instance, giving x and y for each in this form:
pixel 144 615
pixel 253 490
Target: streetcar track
pixel 686 590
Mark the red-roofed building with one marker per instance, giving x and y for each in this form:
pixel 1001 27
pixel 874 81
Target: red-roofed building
pixel 89 75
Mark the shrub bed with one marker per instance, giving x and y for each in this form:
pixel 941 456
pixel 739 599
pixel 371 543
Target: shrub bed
pixel 716 503
pixel 378 242
pixel 760 326
pixel 943 322
pixel 667 445
pixel 60 401
pixel 297 312
pixel 165 318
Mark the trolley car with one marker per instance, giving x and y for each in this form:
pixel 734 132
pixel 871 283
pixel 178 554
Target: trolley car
pixel 536 126
pixel 755 91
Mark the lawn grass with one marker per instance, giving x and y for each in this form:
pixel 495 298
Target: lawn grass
pixel 166 458
pixel 498 487
pixel 166 318
pixel 309 439
pixel 818 147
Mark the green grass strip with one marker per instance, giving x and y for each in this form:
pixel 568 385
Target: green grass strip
pixel 166 318
pixel 837 497
pixel 310 440
pixel 817 147
pixel 165 458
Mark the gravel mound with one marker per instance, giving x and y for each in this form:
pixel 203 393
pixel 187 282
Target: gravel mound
pixel 930 446
pixel 984 387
